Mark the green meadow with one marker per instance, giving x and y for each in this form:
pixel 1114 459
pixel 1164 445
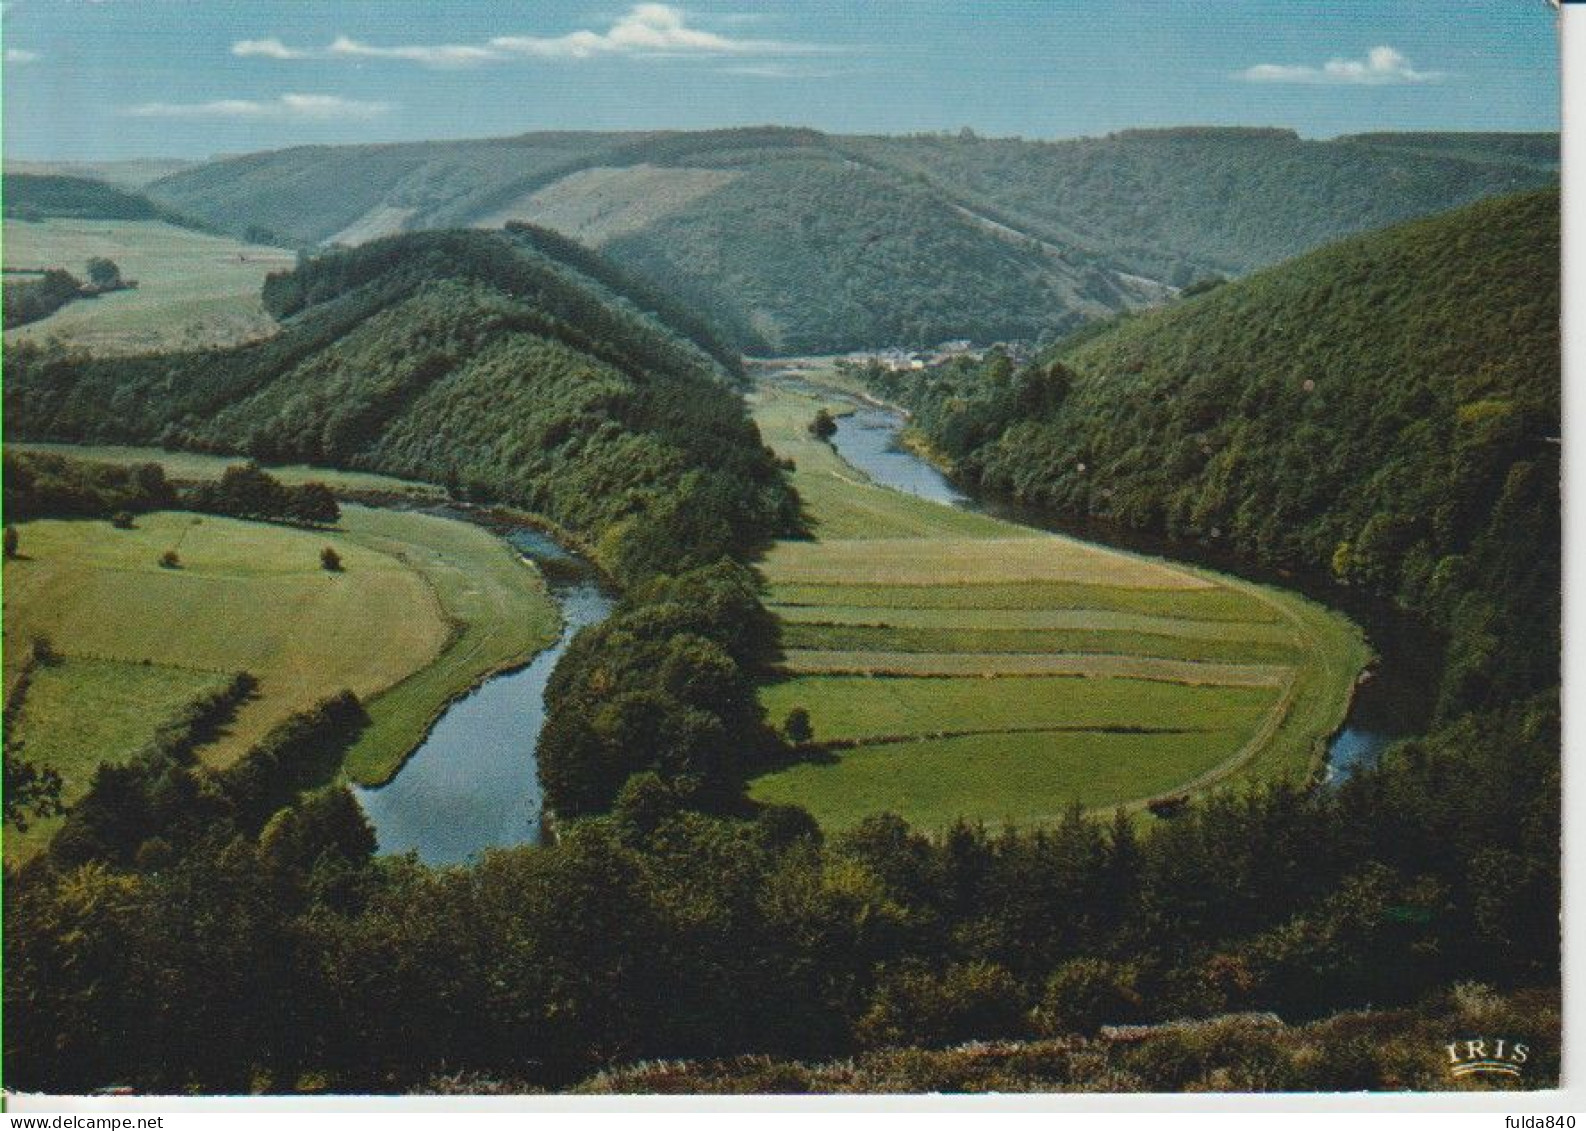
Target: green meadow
pixel 423 609
pixel 80 711
pixel 958 666
pixel 193 289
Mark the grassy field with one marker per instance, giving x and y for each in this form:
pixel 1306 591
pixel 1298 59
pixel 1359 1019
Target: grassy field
pixel 190 466
pixel 81 711
pixel 424 608
pixel 193 289
pixel 961 666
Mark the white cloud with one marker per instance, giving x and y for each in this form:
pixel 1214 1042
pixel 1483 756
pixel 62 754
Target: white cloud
pixel 1382 66
pixel 270 48
pixel 318 107
pixel 646 30
pixel 650 29
pixel 17 55
pixel 439 55
pixel 779 71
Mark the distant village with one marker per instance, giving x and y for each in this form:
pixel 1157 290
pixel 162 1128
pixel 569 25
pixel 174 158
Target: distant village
pixel 895 359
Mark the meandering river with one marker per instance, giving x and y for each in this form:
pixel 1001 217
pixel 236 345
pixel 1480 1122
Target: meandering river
pixel 474 783
pixel 1395 700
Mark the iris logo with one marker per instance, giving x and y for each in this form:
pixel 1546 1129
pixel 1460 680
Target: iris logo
pixel 1483 1056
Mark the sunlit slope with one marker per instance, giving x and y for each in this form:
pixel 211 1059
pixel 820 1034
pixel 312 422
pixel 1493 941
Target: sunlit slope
pixel 422 608
pixel 954 665
pixel 194 289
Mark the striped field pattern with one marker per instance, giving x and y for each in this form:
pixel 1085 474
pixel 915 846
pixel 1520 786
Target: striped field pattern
pixel 957 666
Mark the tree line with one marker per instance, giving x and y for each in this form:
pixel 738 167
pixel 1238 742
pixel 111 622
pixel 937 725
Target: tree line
pixel 50 485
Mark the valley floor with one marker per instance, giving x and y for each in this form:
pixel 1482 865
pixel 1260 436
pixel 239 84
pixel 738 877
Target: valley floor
pixel 423 608
pixel 956 665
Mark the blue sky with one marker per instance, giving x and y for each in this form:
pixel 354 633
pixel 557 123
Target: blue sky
pixel 113 79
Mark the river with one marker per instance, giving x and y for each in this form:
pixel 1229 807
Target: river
pixel 1395 700
pixel 473 783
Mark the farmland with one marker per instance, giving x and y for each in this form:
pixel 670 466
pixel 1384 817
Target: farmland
pixel 422 609
pixel 58 729
pixel 191 466
pixel 955 665
pixel 193 289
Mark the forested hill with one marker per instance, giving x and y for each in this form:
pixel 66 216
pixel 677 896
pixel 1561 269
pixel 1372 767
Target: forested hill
pixel 511 366
pixel 1386 408
pixel 798 241
pixel 41 196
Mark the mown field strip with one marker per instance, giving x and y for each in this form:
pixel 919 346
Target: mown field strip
pixel 1216 604
pixel 993 664
pixel 904 561
pixel 844 706
pixel 1108 620
pixel 188 466
pixel 1015 779
pixel 423 608
pixel 860 638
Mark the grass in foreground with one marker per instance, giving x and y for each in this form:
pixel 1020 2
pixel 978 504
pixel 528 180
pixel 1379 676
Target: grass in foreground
pixel 899 609
pixel 81 712
pixel 245 597
pixel 193 289
pixel 423 609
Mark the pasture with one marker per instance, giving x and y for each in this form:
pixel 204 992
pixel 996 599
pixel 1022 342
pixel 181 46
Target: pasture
pixel 79 712
pixel 193 289
pixel 955 665
pixel 422 610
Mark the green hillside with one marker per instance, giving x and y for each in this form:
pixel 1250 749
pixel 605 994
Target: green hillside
pixel 798 241
pixel 42 196
pixel 481 360
pixel 1182 204
pixel 1386 409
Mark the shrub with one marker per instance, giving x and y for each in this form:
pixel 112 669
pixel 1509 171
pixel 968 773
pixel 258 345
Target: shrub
pixel 1087 993
pixel 918 1006
pixel 43 649
pixel 796 727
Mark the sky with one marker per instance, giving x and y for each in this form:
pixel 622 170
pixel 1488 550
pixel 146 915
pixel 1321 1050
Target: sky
pixel 121 79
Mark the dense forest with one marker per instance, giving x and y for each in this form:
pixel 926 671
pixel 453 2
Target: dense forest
pixel 1386 410
pixel 484 361
pixel 793 240
pixel 186 933
pixel 1185 204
